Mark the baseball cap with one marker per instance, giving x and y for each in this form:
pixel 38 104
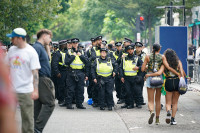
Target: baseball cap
pixel 18 32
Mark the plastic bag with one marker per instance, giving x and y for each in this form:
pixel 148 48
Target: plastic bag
pixel 182 86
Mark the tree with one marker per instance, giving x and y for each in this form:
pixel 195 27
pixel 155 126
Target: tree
pixel 115 27
pixel 22 13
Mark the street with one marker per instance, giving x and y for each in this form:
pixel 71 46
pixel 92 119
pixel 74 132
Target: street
pixel 93 120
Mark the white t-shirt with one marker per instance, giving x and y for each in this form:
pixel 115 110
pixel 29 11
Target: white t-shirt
pixel 22 62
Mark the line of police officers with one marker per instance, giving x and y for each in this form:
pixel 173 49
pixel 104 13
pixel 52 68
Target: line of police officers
pixel 104 69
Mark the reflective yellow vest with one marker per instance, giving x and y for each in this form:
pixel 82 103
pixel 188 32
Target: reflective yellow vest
pixel 63 59
pixel 77 63
pixel 115 55
pixel 104 69
pixel 128 66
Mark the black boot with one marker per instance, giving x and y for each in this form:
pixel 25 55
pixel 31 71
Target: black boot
pixel 102 108
pixel 139 106
pixel 80 106
pixel 94 105
pixel 110 108
pixel 63 104
pixel 130 107
pixel 124 106
pixel 69 106
pixel 120 101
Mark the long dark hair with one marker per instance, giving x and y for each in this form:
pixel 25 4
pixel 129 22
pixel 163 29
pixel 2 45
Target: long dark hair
pixel 156 48
pixel 172 58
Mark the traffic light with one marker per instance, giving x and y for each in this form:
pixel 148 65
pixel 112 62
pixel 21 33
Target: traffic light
pixel 170 21
pixel 142 26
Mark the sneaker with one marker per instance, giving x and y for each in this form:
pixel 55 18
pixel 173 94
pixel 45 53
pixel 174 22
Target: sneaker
pixel 151 118
pixel 157 121
pixel 168 118
pixel 173 122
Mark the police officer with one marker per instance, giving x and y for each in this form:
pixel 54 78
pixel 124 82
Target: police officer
pixel 123 53
pixel 128 73
pixel 103 71
pixel 95 53
pixel 138 52
pixel 118 83
pixel 59 68
pixel 77 75
pixel 88 53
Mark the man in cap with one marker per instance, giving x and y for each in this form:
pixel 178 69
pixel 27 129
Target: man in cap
pixel 141 54
pixel 103 71
pixel 128 73
pixel 59 70
pixel 24 64
pixel 44 106
pixel 78 64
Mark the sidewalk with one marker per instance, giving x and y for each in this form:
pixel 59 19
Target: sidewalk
pixel 194 87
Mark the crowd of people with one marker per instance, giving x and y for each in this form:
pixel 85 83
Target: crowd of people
pixel 60 70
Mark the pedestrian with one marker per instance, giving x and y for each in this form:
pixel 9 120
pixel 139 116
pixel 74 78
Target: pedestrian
pixel 138 52
pixel 44 106
pixel 156 63
pixel 7 99
pixel 103 70
pixel 24 65
pixel 172 85
pixel 128 73
pixel 78 74
pixel 59 70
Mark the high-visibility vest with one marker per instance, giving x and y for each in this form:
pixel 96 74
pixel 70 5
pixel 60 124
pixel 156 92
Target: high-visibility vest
pixel 104 69
pixel 115 55
pixel 128 66
pixel 63 59
pixel 77 63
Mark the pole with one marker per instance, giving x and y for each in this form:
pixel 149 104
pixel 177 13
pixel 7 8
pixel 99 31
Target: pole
pixel 171 10
pixel 184 13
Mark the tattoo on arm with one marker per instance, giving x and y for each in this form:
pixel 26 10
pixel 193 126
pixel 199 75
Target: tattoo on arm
pixel 35 79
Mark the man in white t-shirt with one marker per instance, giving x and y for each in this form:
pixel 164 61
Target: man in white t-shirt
pixel 24 65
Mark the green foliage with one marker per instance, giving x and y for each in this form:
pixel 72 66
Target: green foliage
pixel 115 27
pixel 24 13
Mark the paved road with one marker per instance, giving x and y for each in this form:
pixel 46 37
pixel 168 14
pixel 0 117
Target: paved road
pixel 92 120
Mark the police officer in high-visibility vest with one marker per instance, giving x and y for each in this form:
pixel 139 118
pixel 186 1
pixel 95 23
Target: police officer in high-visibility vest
pixel 88 54
pixel 103 72
pixel 138 52
pixel 59 68
pixel 118 83
pixel 77 75
pixel 95 53
pixel 128 72
pixel 122 54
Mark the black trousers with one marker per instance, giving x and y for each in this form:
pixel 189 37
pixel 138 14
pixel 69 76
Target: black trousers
pixel 132 90
pixel 76 87
pixel 118 87
pixel 90 87
pixel 61 85
pixel 105 92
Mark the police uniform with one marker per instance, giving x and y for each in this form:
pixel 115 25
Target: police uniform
pixel 91 83
pixel 118 83
pixel 92 54
pixel 59 67
pixel 130 78
pixel 142 74
pixel 78 70
pixel 102 70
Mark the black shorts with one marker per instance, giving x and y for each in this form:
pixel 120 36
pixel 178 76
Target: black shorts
pixel 172 84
